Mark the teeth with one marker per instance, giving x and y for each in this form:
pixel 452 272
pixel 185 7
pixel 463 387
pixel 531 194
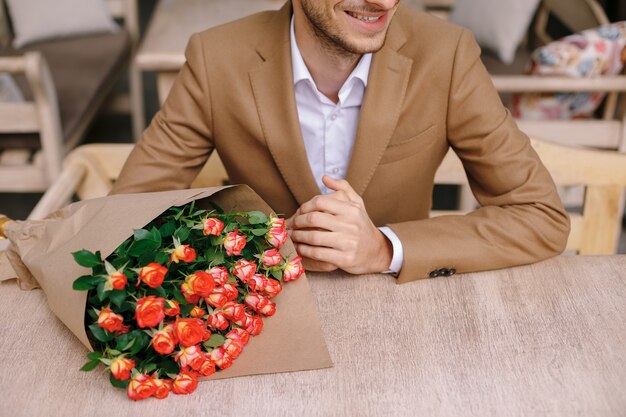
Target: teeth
pixel 368 19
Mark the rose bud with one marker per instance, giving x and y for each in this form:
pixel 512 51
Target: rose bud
pixel 184 383
pixel 233 311
pixel 256 282
pixel 213 226
pixel 190 296
pixel 234 243
pixel 141 387
pixel 164 342
pixel 293 269
pixel 240 334
pixel 244 269
pixel 110 321
pixel 123 330
pixel 277 235
pixel 121 367
pixel 187 355
pixel 172 309
pixel 218 321
pixel 271 257
pixel 183 253
pixel 152 274
pixel 201 283
pixel 219 274
pixel 217 298
pixel 233 347
pixel 163 388
pixel 197 312
pixel 207 368
pixel 260 304
pixel 150 311
pixel 252 324
pixel 189 331
pixel 230 290
pixel 272 287
pixel 221 358
pixel 115 281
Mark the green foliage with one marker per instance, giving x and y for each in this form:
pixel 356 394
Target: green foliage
pixel 86 258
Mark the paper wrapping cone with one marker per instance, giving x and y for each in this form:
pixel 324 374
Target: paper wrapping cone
pixel 40 254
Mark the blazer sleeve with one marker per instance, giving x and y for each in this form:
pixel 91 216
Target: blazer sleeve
pixel 178 142
pixel 521 219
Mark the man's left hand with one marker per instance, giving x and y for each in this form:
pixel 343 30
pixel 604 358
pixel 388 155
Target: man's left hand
pixel 335 230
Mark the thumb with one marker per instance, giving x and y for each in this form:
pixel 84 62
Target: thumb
pixel 341 185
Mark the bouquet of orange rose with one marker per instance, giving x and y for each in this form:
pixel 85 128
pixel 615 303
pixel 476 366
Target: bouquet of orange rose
pixel 181 297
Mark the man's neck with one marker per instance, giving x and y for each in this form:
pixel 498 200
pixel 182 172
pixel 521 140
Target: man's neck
pixel 329 66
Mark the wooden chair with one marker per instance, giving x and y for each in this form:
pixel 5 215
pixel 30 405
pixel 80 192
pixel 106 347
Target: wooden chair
pixel 90 170
pixel 33 137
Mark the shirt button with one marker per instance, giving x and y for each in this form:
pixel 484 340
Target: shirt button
pixel 335 170
pixel 333 117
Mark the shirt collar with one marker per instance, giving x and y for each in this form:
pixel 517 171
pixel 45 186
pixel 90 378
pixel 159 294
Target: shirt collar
pixel 301 72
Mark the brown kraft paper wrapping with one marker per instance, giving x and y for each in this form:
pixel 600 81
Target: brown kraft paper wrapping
pixel 41 255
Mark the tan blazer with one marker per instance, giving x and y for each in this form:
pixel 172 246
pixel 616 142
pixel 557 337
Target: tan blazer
pixel 427 90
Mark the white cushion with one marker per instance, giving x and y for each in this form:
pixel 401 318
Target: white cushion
pixel 498 25
pixel 35 20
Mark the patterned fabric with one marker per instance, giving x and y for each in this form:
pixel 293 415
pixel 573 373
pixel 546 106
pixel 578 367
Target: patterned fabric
pixel 588 54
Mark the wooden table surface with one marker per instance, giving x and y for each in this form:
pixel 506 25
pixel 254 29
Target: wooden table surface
pixel 544 339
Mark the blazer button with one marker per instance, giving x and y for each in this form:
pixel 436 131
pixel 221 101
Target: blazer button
pixel 434 274
pixel 444 272
pixel 452 271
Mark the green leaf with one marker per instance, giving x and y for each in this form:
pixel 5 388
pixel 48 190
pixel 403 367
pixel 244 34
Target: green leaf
pixel 259 232
pixel 161 258
pixel 86 282
pixel 124 342
pixel 142 246
pixel 100 334
pixel 155 236
pixel 86 258
pixel 257 217
pixel 178 295
pixel 278 274
pixel 94 356
pixel 182 233
pixel 149 368
pixel 114 352
pixel 90 366
pixel 141 341
pixel 141 234
pixel 102 294
pixel 118 384
pixel 167 229
pixel 216 340
pixel 117 297
pixel 169 366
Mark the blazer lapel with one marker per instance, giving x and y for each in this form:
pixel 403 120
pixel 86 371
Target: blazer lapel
pixel 386 87
pixel 272 85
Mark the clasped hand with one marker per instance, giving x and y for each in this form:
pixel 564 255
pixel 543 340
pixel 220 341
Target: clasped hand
pixel 334 231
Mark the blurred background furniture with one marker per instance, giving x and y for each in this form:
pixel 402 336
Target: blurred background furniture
pixel 65 81
pixel 90 170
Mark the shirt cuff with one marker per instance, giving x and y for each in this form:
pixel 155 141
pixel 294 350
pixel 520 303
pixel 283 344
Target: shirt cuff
pixel 397 257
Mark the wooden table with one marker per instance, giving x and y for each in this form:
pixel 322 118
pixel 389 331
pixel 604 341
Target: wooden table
pixel 174 21
pixel 545 339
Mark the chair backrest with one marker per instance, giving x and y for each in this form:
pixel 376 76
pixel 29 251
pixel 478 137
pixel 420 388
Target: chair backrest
pixel 91 169
pixel 601 172
pixel 576 15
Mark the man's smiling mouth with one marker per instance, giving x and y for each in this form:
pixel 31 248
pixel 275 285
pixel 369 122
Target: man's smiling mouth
pixel 367 19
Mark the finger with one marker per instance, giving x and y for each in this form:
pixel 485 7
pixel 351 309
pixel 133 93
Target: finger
pixel 289 221
pixel 317 220
pixel 318 253
pixel 341 185
pixel 319 238
pixel 327 204
pixel 317 266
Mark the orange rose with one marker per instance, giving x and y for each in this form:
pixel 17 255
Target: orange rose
pixel 218 321
pixel 172 308
pixel 187 355
pixel 233 347
pixel 221 358
pixel 110 321
pixel 277 234
pixel 201 283
pixel 163 388
pixel 141 387
pixel 183 253
pixel 244 269
pixel 185 383
pixel 116 281
pixel 189 331
pixel 217 298
pixel 234 243
pixel 150 311
pixel 271 257
pixel 121 367
pixel 152 274
pixel 260 304
pixel 252 324
pixel 164 341
pixel 213 226
pixel 207 368
pixel 256 282
pixel 293 269
pixel 197 311
pixel 233 311
pixel 240 334
pixel 272 287
pixel 219 274
pixel 190 296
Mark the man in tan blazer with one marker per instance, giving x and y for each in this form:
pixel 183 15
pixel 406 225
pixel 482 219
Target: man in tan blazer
pixel 426 90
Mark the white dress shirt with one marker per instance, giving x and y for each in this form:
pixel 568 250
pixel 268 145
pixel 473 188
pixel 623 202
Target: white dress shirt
pixel 329 129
